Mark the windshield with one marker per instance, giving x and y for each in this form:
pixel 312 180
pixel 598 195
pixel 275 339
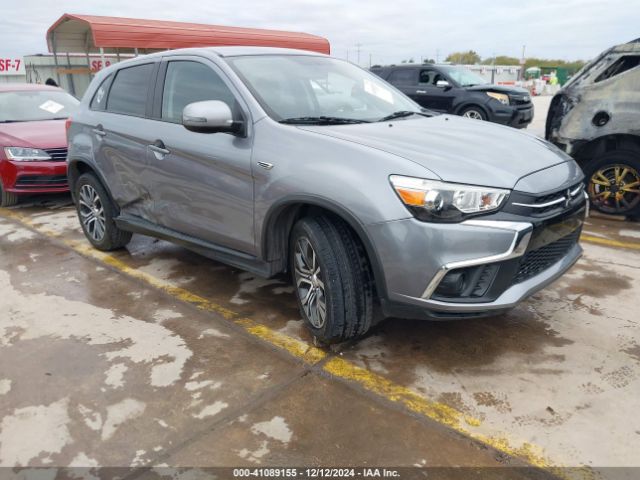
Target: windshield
pixel 463 76
pixel 296 87
pixel 32 105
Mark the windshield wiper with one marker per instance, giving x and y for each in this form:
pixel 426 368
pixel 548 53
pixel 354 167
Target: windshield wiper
pixel 401 114
pixel 322 120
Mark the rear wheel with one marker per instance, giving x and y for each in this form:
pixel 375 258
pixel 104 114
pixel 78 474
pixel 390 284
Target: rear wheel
pixel 333 280
pixel 613 182
pixel 96 213
pixel 474 113
pixel 7 199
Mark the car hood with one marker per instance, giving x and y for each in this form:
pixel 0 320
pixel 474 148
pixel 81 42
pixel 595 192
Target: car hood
pixel 455 149
pixel 43 134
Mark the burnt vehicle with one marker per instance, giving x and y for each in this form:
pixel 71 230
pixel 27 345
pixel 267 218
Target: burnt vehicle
pixel 596 119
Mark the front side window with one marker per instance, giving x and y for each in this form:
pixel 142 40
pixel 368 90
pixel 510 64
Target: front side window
pixel 619 66
pixel 128 93
pixel 35 105
pixel 187 82
pixel 299 86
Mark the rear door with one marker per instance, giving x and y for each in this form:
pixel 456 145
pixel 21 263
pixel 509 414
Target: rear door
pixel 120 134
pixel 405 80
pixel 201 183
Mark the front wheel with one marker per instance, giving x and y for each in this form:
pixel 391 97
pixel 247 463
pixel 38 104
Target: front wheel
pixel 96 213
pixel 613 182
pixel 474 113
pixel 333 280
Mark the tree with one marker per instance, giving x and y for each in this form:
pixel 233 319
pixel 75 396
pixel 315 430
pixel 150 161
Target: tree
pixel 428 60
pixel 501 60
pixel 571 66
pixel 464 58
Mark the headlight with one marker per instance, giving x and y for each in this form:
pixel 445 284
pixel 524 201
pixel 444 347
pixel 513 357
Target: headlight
pixel 23 154
pixel 501 97
pixel 431 200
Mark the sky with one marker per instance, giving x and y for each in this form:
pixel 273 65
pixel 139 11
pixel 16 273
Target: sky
pixel 387 31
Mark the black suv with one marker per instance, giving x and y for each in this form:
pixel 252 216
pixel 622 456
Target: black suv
pixel 457 90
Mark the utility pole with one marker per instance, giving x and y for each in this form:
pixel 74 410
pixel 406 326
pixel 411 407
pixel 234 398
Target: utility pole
pixel 493 68
pixel 369 59
pixel 358 45
pixel 347 54
pixel 522 62
pixel 437 55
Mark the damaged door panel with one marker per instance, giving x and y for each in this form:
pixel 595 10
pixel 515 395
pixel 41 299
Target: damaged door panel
pixel 596 119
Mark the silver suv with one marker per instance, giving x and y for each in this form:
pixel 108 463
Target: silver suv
pixel 276 160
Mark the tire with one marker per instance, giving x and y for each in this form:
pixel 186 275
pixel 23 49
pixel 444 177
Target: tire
pixel 344 272
pixel 92 201
pixel 613 182
pixel 7 199
pixel 473 112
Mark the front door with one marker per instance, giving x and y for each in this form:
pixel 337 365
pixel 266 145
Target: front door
pixel 429 95
pixel 201 183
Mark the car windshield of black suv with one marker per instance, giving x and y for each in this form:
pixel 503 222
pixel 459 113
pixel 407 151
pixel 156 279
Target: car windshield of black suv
pixel 463 77
pixel 303 89
pixel 35 105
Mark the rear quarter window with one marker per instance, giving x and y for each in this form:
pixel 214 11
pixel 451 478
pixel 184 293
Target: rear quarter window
pixel 128 93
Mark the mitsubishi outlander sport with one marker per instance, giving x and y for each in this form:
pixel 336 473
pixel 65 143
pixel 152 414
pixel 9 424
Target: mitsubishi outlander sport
pixel 275 160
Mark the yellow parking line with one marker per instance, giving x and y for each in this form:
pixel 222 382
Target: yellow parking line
pixel 608 242
pixel 334 366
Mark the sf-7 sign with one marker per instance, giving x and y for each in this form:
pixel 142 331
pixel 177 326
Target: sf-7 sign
pixel 11 66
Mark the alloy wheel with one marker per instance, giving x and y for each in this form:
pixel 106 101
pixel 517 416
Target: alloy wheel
pixel 615 188
pixel 92 212
pixel 473 114
pixel 310 283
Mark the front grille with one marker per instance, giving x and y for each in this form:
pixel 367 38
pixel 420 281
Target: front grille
pixel 536 261
pixel 521 101
pixel 39 181
pixel 545 205
pixel 57 154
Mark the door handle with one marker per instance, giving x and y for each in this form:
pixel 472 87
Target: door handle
pixel 155 148
pixel 159 150
pixel 99 131
pixel 421 91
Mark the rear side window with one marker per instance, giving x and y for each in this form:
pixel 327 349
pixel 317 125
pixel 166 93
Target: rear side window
pixel 403 76
pixel 619 66
pixel 187 82
pixel 128 94
pixel 99 100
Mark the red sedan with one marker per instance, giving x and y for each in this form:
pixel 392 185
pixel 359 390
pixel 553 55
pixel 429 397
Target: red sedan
pixel 33 141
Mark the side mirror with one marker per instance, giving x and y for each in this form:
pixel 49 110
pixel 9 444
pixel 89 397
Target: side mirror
pixel 442 84
pixel 210 116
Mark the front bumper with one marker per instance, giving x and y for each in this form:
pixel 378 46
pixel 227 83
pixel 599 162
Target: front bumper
pixel 34 177
pixel 416 257
pixel 518 116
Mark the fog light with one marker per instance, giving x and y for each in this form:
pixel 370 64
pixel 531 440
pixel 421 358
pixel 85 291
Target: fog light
pixel 451 285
